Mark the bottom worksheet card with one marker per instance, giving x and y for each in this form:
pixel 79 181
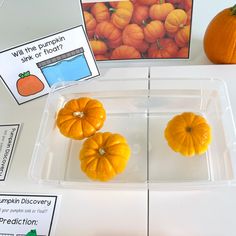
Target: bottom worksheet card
pixel 27 214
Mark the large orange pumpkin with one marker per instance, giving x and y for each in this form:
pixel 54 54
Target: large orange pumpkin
pixel 175 20
pixel 220 37
pixel 188 134
pixel 80 118
pixel 160 11
pixel 163 48
pixel 125 52
pixel 153 31
pixel 122 14
pixel 104 155
pixel 100 12
pixel 90 24
pixel 107 32
pixel 133 35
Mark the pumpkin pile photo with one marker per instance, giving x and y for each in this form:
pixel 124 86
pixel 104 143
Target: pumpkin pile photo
pixel 103 155
pixel 189 134
pixel 138 28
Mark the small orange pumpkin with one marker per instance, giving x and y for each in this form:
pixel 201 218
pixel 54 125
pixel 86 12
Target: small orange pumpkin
pixel 100 12
pixel 98 47
pixel 90 24
pixel 175 20
pixel 107 32
pixel 104 155
pixel 163 48
pixel 80 118
pixel 125 52
pixel 160 11
pixel 140 14
pixel 188 134
pixel 133 35
pixel 220 37
pixel 122 14
pixel 182 36
pixel 153 31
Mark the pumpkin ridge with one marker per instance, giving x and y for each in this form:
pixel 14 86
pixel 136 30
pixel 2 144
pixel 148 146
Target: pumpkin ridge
pixel 94 160
pixel 67 121
pixel 114 169
pixel 76 121
pixel 69 118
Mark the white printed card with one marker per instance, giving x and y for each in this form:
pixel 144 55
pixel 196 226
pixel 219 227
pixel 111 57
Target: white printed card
pixel 29 70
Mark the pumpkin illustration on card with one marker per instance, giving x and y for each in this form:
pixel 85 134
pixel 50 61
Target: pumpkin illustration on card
pixel 28 84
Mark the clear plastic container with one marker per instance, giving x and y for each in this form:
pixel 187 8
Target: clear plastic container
pixel 141 115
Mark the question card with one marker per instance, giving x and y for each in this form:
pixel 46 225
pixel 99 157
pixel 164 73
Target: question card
pixel 21 214
pixel 29 70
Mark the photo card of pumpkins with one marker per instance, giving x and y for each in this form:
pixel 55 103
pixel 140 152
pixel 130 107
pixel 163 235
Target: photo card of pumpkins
pixel 138 29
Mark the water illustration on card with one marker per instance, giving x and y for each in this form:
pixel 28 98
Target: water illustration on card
pixel 29 70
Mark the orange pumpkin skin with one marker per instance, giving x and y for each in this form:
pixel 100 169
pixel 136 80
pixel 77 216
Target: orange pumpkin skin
pixel 90 24
pixel 104 155
pixel 163 48
pixel 183 52
pixel 160 11
pixel 100 12
pixel 175 20
pixel 114 4
pixel 143 47
pixel 133 35
pixel 107 32
pixel 81 118
pixel 140 14
pixel 122 14
pixel 101 57
pixel 182 36
pixel 188 134
pixel 153 31
pixel 125 52
pixel 220 37
pixel 189 14
pixel 87 6
pixel 98 47
pixel 146 2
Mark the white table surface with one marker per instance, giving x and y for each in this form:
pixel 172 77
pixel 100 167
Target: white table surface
pixel 111 213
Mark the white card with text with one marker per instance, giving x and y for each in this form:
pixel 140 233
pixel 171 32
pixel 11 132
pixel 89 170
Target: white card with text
pixel 21 214
pixel 29 70
pixel 8 138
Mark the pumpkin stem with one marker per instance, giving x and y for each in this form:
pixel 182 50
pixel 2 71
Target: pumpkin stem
pixel 159 45
pixel 188 129
pixel 79 114
pixel 101 151
pixel 112 10
pixel 233 10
